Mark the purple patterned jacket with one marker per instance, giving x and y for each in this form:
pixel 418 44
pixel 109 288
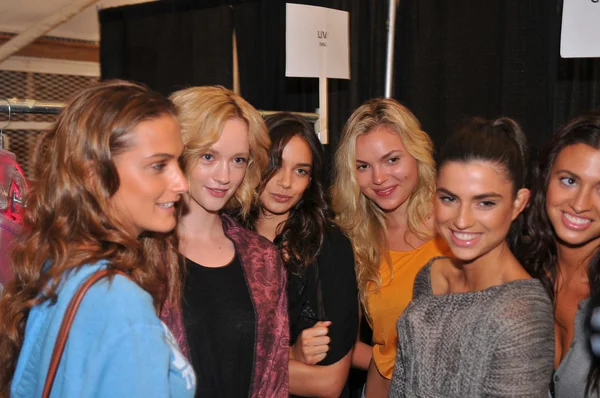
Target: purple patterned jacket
pixel 266 278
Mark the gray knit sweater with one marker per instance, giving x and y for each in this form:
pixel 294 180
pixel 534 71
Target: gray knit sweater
pixel 495 342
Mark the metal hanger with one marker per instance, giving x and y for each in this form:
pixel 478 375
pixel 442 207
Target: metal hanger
pixel 6 125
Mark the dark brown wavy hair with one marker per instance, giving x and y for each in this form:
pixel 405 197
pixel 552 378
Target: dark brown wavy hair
pixel 69 221
pixel 537 250
pixel 302 234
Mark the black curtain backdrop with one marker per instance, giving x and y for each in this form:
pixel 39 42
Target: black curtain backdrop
pixel 489 58
pixel 172 44
pixel 168 45
pixel 260 32
pixel 452 59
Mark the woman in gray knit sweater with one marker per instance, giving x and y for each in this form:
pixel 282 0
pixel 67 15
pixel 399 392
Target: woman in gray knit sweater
pixel 478 325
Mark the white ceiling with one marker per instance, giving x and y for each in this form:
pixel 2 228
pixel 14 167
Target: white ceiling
pixel 18 15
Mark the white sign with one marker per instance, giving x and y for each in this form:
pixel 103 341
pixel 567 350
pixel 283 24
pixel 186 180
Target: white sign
pixel 580 35
pixel 317 42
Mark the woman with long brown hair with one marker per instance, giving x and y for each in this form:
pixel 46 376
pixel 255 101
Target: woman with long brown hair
pixel 104 193
pixel 292 212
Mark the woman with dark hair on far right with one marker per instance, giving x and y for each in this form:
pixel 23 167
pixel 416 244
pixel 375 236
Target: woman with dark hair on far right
pixel 561 247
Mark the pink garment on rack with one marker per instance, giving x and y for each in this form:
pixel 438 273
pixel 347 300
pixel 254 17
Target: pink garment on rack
pixel 12 192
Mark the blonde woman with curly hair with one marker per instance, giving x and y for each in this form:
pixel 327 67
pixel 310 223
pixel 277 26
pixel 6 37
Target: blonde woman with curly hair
pixel 232 320
pixel 383 197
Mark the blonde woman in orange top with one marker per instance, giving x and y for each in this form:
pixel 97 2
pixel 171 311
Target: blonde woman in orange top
pixel 382 195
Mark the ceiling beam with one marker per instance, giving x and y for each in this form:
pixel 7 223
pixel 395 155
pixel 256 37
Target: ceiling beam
pixel 41 28
pixel 58 49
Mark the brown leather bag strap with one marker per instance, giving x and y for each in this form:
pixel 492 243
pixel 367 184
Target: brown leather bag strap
pixel 67 321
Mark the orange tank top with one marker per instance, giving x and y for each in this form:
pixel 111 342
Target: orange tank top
pixel 386 306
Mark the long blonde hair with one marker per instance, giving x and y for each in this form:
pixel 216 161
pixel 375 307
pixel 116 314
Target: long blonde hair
pixel 360 218
pixel 202 113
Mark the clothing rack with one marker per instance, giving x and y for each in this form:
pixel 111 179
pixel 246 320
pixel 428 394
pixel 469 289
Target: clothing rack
pixel 52 108
pixel 30 106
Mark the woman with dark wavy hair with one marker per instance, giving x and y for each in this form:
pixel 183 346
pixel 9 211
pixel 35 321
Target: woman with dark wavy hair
pixel 104 193
pixel 322 293
pixel 561 247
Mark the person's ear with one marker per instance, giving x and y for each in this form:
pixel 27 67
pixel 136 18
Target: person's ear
pixel 520 202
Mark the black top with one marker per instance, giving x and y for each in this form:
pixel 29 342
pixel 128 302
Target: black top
pixel 326 291
pixel 219 322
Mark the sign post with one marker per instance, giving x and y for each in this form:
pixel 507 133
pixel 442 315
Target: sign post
pixel 317 45
pixel 580 33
